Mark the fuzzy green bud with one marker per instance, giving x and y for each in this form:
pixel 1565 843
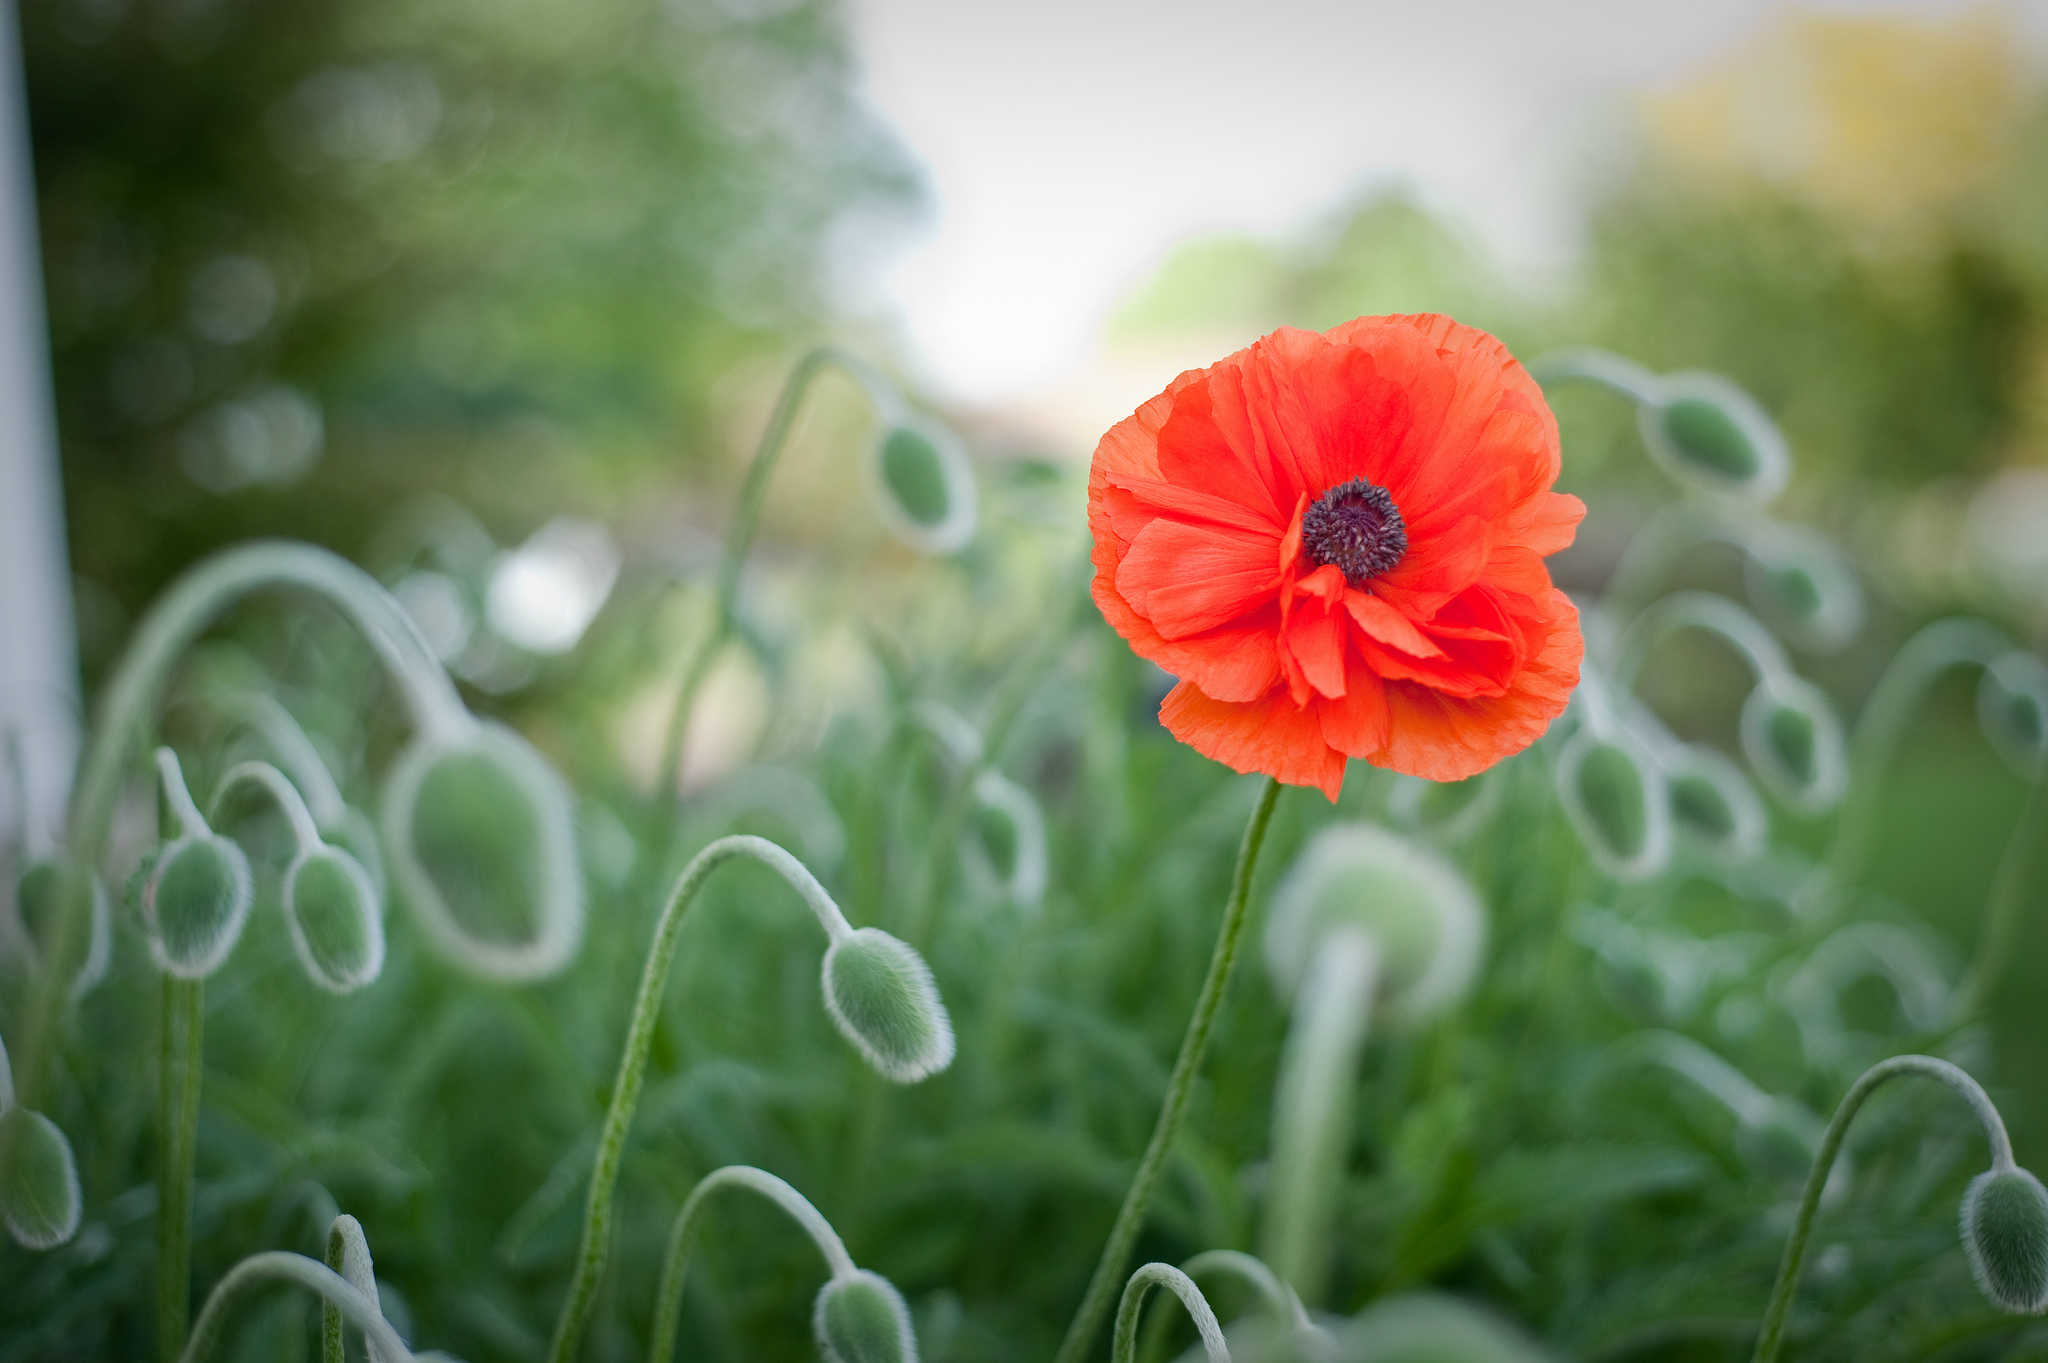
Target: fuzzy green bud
pixel 39 1195
pixel 880 994
pixel 1615 797
pixel 337 927
pixel 1794 742
pixel 196 902
pixel 1708 433
pixel 2012 709
pixel 2005 1234
pixel 1713 805
pixel 38 899
pixel 860 1318
pixel 925 487
pixel 483 850
pixel 1800 583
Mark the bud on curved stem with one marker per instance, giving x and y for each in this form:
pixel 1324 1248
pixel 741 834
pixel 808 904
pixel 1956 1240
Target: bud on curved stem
pixel 198 895
pixel 1774 1133
pixel 38 900
pixel 878 980
pixel 1132 1307
pixel 1278 1296
pixel 1794 743
pixel 1616 796
pixel 40 1200
pixel 348 1253
pixel 297 1269
pixel 185 609
pixel 2014 1230
pixel 1013 823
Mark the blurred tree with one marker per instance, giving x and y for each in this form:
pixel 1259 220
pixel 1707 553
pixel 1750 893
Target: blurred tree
pixel 304 258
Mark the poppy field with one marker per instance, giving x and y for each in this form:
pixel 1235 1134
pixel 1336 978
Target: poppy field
pixel 1241 871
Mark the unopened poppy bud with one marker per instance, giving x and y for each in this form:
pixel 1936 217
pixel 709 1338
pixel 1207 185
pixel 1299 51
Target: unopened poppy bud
pixel 1714 806
pixel 860 1318
pixel 1708 433
pixel 880 994
pixel 38 899
pixel 39 1196
pixel 2005 1234
pixel 1425 921
pixel 2012 708
pixel 926 487
pixel 482 848
pixel 196 902
pixel 1802 586
pixel 1010 831
pixel 1614 795
pixel 1794 742
pixel 336 924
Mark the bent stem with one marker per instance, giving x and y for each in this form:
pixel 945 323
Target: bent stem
pixel 1130 1216
pixel 184 1022
pixel 1278 1296
pixel 618 1117
pixel 1311 1114
pixel 739 539
pixel 668 1303
pixel 179 616
pixel 1771 1336
pixel 1132 1307
pixel 277 1265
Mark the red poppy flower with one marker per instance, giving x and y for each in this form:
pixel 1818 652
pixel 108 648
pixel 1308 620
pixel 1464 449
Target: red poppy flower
pixel 1336 543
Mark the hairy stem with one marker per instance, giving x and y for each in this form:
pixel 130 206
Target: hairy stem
pixel 1131 1216
pixel 668 1303
pixel 278 1266
pixel 1772 1334
pixel 618 1117
pixel 184 1022
pixel 1132 1308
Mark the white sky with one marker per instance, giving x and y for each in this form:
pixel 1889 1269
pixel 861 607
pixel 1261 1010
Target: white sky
pixel 1070 143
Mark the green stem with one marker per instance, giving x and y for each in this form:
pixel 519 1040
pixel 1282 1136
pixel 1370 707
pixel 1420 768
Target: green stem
pixel 668 1302
pixel 739 539
pixel 1129 1217
pixel 1278 1297
pixel 332 1347
pixel 121 721
pixel 1772 1334
pixel 276 1265
pixel 2002 909
pixel 1132 1307
pixel 618 1117
pixel 184 1023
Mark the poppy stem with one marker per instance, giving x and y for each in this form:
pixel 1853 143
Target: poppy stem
pixel 1771 1336
pixel 1132 1307
pixel 1102 1288
pixel 184 1022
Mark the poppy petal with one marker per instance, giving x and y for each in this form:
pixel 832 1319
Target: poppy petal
pixel 1271 735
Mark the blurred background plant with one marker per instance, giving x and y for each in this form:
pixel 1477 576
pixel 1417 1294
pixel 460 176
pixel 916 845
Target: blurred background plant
pixel 496 302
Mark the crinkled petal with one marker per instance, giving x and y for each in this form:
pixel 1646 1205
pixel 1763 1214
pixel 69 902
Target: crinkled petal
pixel 1271 735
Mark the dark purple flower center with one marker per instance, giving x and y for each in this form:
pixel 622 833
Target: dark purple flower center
pixel 1356 526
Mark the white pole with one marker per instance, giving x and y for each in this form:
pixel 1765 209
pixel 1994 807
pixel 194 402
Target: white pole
pixel 38 646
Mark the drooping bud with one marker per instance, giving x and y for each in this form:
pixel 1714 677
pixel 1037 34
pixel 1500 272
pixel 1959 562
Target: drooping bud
pixel 336 919
pixel 196 901
pixel 1794 742
pixel 925 487
pixel 1425 921
pixel 1614 795
pixel 482 848
pixel 2005 1234
pixel 2012 709
pixel 1010 832
pixel 38 899
pixel 1803 587
pixel 880 994
pixel 39 1194
pixel 860 1318
pixel 1713 804
pixel 1709 434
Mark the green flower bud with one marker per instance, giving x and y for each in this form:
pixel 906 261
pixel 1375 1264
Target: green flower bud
pixel 336 919
pixel 1425 921
pixel 925 487
pixel 860 1318
pixel 1802 586
pixel 1794 743
pixel 1708 433
pixel 2012 709
pixel 2005 1234
pixel 880 994
pixel 39 1196
pixel 483 849
pixel 1010 834
pixel 1714 806
pixel 38 899
pixel 1614 795
pixel 195 902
